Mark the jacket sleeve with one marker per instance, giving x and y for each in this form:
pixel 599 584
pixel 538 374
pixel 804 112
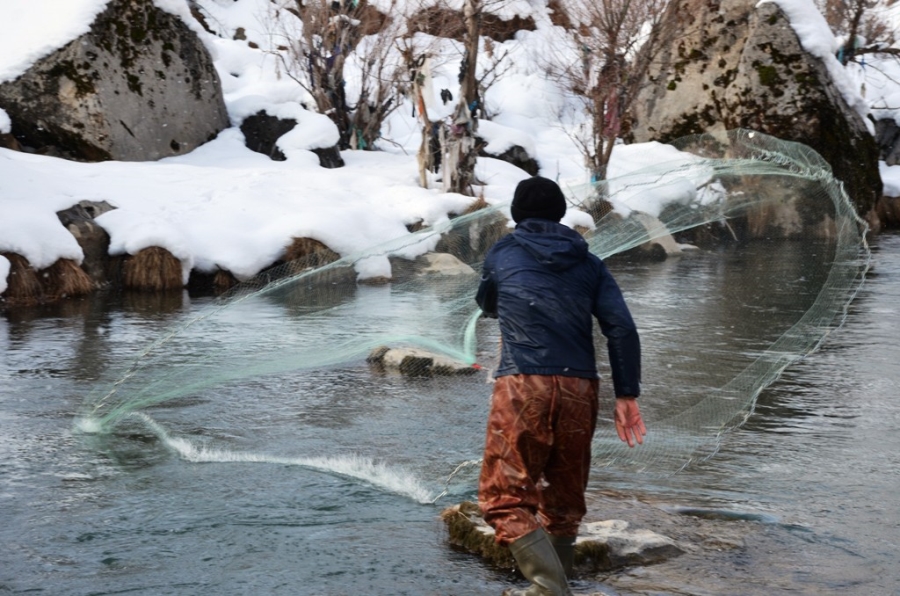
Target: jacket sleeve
pixel 622 340
pixel 486 297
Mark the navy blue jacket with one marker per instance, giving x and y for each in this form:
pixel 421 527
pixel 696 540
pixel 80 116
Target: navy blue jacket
pixel 544 286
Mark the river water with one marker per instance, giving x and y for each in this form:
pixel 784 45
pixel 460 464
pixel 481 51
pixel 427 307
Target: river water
pixel 331 482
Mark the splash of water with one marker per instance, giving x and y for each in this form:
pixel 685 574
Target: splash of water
pixel 390 478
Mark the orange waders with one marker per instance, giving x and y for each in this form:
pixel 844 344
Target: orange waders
pixel 537 454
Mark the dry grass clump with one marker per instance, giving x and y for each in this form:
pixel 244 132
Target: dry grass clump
pixel 66 278
pixel 27 286
pixel 8 141
pixel 306 253
pixel 450 23
pixel 224 280
pixel 558 15
pixel 477 205
pixel 215 282
pixel 23 286
pixel 152 269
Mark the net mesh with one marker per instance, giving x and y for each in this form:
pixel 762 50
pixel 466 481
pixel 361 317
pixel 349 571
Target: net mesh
pixel 738 197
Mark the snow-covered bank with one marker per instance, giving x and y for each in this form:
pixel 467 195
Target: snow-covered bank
pixel 226 207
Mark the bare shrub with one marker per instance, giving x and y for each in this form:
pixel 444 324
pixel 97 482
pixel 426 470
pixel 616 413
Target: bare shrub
pixel 326 37
pixel 607 53
pixel 863 26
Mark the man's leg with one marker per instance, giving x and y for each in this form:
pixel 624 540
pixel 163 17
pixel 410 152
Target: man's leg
pixel 519 441
pixel 517 446
pixel 568 465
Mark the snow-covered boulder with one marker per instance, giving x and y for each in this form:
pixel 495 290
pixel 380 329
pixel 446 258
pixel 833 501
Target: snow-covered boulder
pixel 264 131
pixel 138 86
pixel 507 144
pixel 662 246
pixel 742 64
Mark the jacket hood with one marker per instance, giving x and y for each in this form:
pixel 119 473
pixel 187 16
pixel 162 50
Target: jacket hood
pixel 552 244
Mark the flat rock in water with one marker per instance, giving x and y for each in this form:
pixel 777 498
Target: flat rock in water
pixel 610 544
pixel 601 546
pixel 416 362
pixel 445 264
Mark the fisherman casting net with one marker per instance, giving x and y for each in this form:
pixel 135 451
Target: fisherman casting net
pixel 307 328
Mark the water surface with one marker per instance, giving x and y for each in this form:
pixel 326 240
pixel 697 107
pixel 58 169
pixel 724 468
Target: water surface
pixel 322 482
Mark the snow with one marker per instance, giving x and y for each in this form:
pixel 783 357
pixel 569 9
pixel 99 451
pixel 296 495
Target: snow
pixel 34 29
pixel 501 138
pixel 4 273
pixel 881 88
pixel 31 30
pixel 890 176
pixel 224 206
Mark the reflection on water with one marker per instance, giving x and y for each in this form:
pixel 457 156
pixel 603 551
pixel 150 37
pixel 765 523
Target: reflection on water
pixel 819 455
pixel 810 477
pixel 727 307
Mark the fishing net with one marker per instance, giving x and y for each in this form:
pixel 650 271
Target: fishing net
pixel 761 220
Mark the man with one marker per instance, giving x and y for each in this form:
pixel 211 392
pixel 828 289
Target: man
pixel 544 286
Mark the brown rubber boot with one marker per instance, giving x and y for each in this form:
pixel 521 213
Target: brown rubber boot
pixel 539 563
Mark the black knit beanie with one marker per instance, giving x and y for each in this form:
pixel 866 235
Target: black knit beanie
pixel 538 197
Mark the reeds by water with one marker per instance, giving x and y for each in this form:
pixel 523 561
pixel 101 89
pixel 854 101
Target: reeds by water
pixel 152 269
pixel 27 286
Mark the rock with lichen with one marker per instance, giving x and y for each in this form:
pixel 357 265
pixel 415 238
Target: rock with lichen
pixel 740 64
pixel 138 86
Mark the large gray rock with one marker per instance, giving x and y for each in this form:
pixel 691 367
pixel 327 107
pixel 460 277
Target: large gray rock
pixel 138 86
pixel 740 64
pixel 436 263
pixel 432 263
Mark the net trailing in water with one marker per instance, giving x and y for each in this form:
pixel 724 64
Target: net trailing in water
pixel 743 196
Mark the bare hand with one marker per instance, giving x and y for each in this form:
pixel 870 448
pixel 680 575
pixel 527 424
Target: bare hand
pixel 629 424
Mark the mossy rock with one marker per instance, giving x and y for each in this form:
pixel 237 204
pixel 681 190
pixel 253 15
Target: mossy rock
pixel 601 546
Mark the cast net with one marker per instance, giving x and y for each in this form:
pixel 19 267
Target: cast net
pixel 770 253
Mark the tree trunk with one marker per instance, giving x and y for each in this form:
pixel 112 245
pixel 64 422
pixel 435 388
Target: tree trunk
pixel 458 168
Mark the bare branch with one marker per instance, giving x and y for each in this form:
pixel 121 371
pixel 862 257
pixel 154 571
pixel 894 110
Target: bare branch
pixel 341 53
pixel 609 50
pixel 859 22
pixel 877 50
